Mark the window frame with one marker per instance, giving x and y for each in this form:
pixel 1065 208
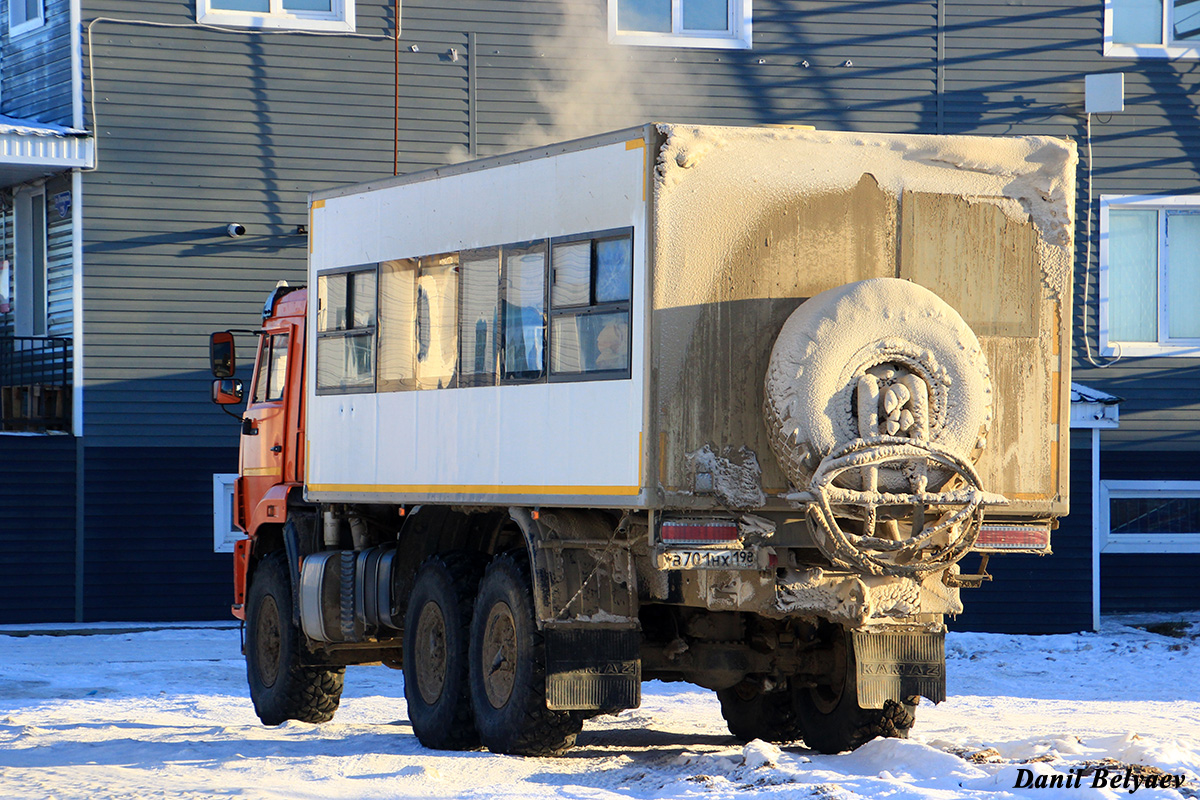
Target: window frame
pixel 1145 542
pixel 340 20
pixel 497 332
pixel 502 373
pixel 29 23
pixel 738 36
pixel 31 272
pixel 265 368
pixel 1164 48
pixel 1165 346
pixel 226 534
pixel 369 330
pixel 593 306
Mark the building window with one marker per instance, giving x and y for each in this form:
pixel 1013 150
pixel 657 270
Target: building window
pixel 25 15
pixel 225 533
pixel 313 15
pixel 1150 516
pixel 31 290
pixel 590 290
pixel 1150 276
pixel 681 23
pixel 1152 28
pixel 346 331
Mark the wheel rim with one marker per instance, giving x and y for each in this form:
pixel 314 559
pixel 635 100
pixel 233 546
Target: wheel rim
pixel 431 653
pixel 499 654
pixel 267 641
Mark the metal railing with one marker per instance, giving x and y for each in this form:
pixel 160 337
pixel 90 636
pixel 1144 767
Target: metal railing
pixel 35 383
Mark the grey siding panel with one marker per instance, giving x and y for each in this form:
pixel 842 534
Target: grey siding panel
pixel 198 129
pixel 35 76
pixel 1019 68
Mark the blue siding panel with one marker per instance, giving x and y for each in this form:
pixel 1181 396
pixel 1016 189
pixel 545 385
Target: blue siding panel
pixel 37 535
pixel 1040 594
pixel 149 539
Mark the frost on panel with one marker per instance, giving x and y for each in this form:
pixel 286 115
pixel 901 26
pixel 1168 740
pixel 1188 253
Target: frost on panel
pixel 733 476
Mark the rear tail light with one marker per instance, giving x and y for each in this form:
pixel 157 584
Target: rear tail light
pixel 1000 536
pixel 699 532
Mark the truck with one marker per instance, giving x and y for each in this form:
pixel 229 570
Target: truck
pixel 678 402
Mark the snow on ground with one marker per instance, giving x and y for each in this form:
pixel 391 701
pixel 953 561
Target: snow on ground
pixel 164 713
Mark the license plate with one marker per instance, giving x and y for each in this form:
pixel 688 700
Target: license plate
pixel 680 558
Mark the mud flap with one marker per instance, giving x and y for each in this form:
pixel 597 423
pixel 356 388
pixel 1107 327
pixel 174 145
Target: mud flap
pixel 897 665
pixel 592 669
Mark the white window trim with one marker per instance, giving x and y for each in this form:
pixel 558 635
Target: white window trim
pixel 1162 347
pixel 340 21
pixel 224 534
pixel 17 28
pixel 1163 49
pixel 740 35
pixel 1147 542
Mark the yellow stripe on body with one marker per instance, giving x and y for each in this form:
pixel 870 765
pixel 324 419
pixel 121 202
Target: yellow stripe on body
pixel 262 472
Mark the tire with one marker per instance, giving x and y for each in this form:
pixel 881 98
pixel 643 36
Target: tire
pixel 508 668
pixel 759 715
pixel 831 720
pixel 280 687
pixel 437 629
pixel 833 338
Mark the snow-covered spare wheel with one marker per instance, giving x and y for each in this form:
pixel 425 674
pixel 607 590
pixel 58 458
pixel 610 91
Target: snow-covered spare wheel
pixel 878 402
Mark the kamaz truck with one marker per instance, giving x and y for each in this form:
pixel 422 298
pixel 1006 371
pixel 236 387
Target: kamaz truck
pixel 684 403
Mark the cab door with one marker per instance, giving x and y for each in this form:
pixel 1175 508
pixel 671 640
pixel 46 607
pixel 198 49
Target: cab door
pixel 265 423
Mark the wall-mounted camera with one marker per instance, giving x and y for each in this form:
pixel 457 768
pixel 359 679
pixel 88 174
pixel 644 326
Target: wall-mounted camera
pixel 235 229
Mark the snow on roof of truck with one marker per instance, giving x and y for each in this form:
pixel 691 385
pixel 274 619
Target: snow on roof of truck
pixel 474 165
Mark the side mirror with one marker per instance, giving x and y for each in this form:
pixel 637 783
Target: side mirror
pixel 227 392
pixel 222 354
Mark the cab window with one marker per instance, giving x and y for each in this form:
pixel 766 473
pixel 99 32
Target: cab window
pixel 271 376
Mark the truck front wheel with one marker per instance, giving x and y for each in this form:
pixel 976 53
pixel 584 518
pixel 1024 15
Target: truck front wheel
pixel 280 686
pixel 830 718
pixel 437 627
pixel 508 668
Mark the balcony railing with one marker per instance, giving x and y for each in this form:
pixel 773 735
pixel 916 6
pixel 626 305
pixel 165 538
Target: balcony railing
pixel 35 383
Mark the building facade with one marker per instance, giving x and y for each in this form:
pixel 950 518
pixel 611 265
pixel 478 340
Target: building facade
pixel 136 135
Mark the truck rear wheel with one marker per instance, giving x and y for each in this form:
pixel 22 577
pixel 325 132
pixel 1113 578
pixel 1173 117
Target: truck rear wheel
pixel 829 716
pixel 437 628
pixel 753 714
pixel 280 687
pixel 508 668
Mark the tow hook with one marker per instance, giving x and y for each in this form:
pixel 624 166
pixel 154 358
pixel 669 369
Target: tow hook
pixel 968 581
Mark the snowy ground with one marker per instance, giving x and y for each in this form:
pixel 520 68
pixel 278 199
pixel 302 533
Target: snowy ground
pixel 164 714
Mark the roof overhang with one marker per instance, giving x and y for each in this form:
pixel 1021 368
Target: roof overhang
pixel 31 150
pixel 1091 408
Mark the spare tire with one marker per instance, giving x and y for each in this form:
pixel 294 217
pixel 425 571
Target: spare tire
pixel 831 341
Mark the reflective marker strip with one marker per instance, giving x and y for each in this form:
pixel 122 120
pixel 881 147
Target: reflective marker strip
pixel 1013 537
pixel 699 531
